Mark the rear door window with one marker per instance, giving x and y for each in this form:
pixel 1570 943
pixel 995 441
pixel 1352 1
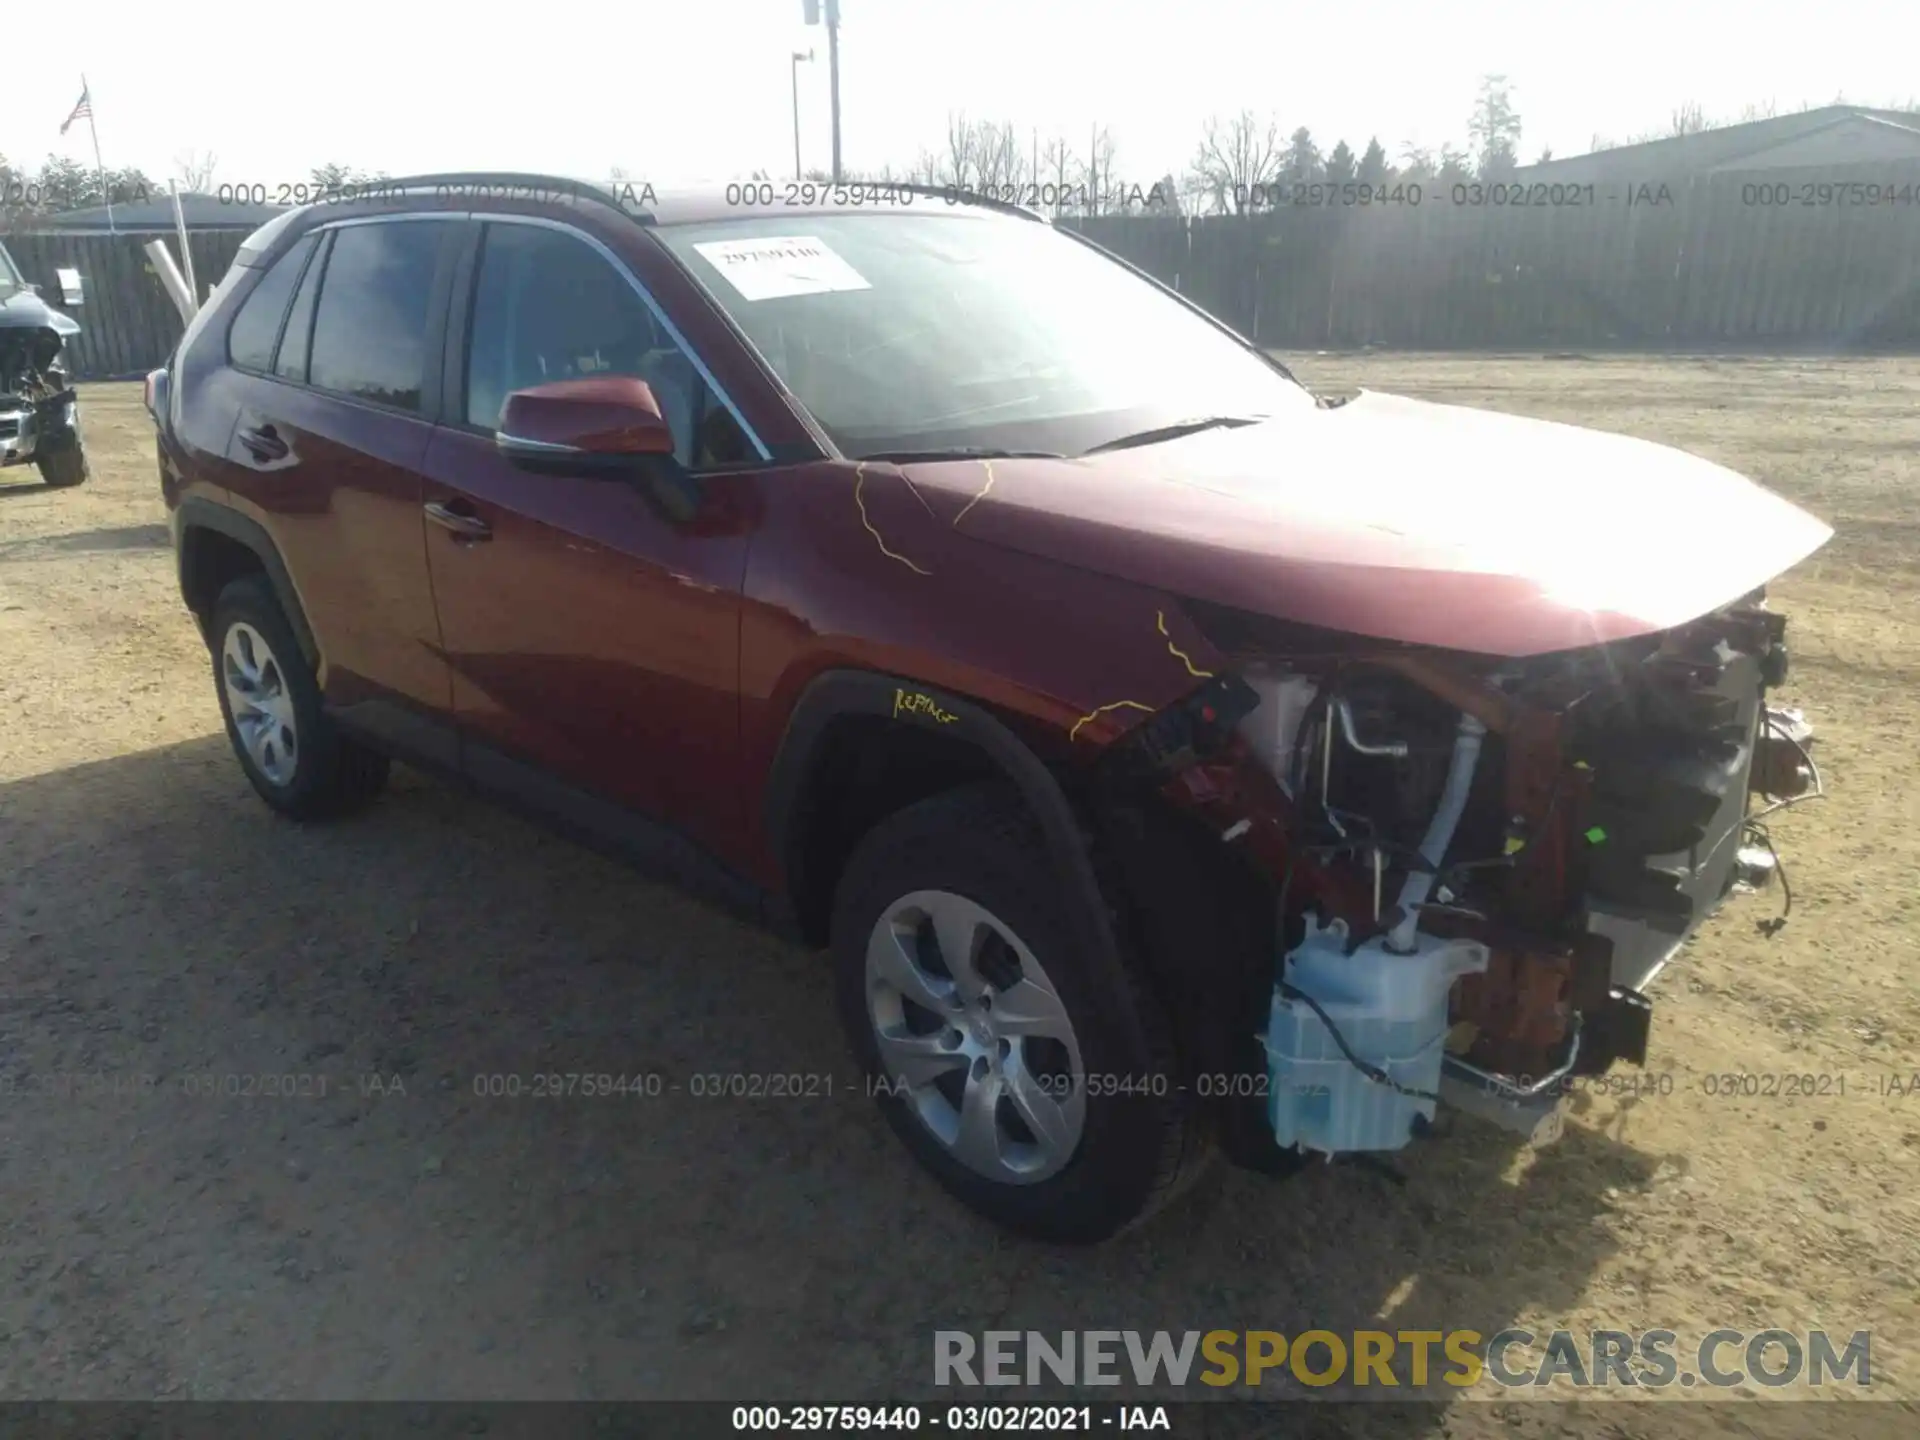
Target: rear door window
pixel 370 325
pixel 291 361
pixel 257 326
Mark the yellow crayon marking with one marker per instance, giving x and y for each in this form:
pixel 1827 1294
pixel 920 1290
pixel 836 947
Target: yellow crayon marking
pixel 1181 655
pixel 859 479
pixel 1074 733
pixel 914 703
pixel 978 498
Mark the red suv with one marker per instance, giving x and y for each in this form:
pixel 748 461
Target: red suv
pixel 1173 762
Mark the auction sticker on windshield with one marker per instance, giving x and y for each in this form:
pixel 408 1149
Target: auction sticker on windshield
pixel 776 266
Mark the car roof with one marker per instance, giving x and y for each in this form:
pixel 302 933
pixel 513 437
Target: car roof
pixel 637 200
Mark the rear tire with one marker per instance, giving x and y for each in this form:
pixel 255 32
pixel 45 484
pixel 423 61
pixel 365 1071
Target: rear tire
pixel 293 754
pixel 1037 1083
pixel 64 467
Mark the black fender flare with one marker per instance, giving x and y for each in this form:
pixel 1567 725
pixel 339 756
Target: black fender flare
pixel 838 693
pixel 196 512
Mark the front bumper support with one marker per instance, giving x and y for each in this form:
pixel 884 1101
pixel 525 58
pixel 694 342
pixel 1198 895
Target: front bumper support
pixel 26 426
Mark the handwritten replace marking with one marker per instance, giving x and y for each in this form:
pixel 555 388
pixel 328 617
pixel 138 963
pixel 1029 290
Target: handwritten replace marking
pixel 1181 655
pixel 1074 734
pixel 914 703
pixel 859 479
pixel 978 498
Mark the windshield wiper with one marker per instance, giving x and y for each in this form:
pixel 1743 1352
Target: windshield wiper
pixel 959 452
pixel 1175 431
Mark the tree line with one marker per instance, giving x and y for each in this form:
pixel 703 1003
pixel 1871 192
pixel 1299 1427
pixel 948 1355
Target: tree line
pixel 1244 162
pixel 1241 163
pixel 60 184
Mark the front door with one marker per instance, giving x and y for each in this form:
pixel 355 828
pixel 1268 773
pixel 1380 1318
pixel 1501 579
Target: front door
pixel 591 637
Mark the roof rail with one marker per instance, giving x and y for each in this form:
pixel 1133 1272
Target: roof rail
pixel 953 194
pixel 480 181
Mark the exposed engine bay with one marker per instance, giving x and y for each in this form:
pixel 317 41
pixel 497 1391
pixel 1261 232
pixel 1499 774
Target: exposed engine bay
pixel 33 391
pixel 39 411
pixel 1476 866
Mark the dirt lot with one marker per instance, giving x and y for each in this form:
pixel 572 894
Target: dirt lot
pixel 402 1236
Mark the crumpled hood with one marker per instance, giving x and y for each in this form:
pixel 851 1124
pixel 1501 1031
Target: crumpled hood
pixel 23 309
pixel 1403 520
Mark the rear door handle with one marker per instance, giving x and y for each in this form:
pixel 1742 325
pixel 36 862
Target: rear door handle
pixel 263 442
pixel 466 525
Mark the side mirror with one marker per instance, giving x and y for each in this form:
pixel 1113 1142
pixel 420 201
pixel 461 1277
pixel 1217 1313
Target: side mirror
pixel 606 424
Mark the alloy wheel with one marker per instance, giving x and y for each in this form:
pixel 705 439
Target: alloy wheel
pixel 974 1036
pixel 259 702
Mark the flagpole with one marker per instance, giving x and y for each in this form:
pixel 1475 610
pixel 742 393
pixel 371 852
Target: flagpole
pixel 98 163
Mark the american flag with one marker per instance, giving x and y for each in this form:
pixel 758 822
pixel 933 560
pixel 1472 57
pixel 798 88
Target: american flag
pixel 82 111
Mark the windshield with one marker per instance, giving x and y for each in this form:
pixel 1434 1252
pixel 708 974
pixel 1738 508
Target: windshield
pixel 10 280
pixel 922 332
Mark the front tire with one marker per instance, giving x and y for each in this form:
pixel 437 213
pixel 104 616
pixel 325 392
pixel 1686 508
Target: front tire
pixel 1035 1082
pixel 293 754
pixel 63 467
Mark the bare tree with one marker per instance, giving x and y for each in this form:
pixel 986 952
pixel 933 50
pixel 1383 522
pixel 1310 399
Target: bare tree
pixel 1416 163
pixel 1096 178
pixel 1455 165
pixel 1687 119
pixel 958 165
pixel 1237 163
pixel 195 171
pixel 1001 163
pixel 1494 128
pixel 1055 176
pixel 980 155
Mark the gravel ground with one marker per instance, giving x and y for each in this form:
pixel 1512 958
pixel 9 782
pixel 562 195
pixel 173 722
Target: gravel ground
pixel 246 1151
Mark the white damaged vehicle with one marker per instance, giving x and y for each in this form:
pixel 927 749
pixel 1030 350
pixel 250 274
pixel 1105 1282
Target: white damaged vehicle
pixel 39 412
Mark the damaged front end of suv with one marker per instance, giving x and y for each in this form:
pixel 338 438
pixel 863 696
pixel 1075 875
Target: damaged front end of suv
pixel 1475 867
pixel 39 411
pixel 1462 775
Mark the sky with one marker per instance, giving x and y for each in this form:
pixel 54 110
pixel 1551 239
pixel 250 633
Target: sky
pixel 700 90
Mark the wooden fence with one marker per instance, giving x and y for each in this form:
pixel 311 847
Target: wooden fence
pixel 127 323
pixel 1731 262
pixel 1734 262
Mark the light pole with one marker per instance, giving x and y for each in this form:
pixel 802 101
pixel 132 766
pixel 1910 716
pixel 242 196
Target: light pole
pixel 797 58
pixel 811 8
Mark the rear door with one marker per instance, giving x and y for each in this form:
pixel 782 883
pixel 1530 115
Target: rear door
pixel 338 403
pixel 592 638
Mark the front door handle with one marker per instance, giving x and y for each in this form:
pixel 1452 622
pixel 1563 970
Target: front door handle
pixel 467 526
